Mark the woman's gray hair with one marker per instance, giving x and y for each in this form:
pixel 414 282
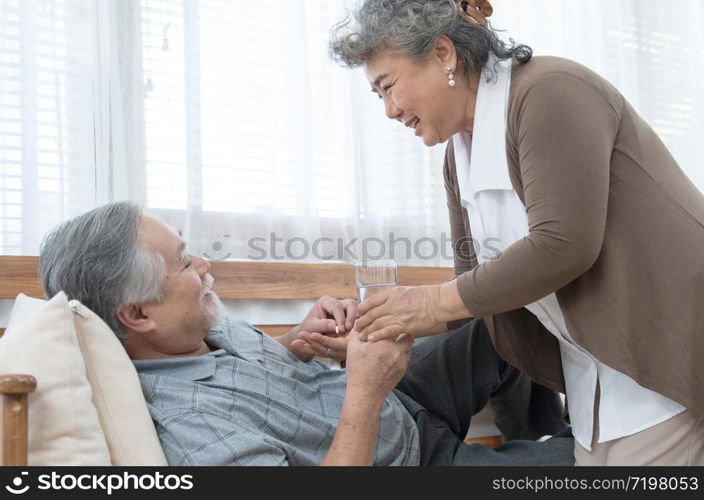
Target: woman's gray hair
pixel 411 28
pixel 95 258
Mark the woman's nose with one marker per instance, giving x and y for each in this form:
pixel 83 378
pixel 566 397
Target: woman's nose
pixel 392 111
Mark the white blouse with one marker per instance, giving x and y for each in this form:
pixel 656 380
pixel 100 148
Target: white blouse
pixel 498 218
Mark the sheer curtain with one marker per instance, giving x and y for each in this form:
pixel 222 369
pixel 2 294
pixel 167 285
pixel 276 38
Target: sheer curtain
pixel 48 136
pixel 652 52
pixel 270 151
pixel 225 118
pixel 229 120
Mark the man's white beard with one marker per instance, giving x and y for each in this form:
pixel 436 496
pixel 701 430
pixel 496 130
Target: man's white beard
pixel 214 311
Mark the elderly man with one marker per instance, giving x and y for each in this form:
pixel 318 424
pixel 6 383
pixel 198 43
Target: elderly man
pixel 223 393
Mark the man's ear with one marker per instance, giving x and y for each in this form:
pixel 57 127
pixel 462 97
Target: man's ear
pixel 132 318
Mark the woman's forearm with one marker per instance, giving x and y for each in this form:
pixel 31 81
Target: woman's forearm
pixel 448 304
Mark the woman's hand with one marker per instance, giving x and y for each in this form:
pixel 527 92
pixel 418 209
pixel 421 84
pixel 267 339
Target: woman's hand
pixel 412 310
pixel 403 309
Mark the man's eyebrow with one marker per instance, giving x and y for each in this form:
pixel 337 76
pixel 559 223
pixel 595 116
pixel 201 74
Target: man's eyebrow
pixel 181 250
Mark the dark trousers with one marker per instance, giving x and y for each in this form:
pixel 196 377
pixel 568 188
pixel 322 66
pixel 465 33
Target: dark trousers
pixel 452 376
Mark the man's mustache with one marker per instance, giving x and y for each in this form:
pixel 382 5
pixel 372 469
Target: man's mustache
pixel 208 281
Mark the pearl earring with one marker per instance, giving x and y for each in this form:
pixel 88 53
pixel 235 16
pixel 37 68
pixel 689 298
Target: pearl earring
pixel 450 77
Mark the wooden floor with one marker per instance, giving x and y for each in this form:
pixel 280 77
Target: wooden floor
pixel 490 441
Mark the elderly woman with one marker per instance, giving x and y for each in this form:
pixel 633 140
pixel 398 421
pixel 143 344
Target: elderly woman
pixel 597 287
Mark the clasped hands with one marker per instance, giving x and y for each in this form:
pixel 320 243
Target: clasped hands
pixel 402 310
pixel 373 368
pixel 323 332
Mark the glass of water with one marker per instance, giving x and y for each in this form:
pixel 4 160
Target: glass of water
pixel 374 276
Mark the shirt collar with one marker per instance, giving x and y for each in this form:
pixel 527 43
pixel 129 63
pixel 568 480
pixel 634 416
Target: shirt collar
pixel 187 367
pixel 232 336
pixel 485 150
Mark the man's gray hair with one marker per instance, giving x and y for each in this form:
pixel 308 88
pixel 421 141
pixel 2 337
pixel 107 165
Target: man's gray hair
pixel 95 258
pixel 411 28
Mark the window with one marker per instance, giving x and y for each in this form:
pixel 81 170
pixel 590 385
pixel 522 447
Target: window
pixel 229 120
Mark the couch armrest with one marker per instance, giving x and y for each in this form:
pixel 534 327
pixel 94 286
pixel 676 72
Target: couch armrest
pixel 14 390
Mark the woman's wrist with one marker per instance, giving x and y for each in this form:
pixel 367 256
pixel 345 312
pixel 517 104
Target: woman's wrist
pixel 449 305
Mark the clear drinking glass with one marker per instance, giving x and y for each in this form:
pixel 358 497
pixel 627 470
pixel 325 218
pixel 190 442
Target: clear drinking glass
pixel 374 276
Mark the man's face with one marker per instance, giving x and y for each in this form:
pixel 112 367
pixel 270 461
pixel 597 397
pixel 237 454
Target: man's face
pixel 188 309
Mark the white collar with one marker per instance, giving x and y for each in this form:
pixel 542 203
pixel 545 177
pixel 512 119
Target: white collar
pixel 485 150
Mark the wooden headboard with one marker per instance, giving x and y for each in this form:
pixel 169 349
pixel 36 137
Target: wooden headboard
pixel 244 280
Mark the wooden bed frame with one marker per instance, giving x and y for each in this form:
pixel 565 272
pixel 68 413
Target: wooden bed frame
pixel 233 280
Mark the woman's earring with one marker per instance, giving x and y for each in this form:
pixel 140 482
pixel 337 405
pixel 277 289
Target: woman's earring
pixel 451 77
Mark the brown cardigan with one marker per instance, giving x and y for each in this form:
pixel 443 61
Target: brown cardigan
pixel 616 230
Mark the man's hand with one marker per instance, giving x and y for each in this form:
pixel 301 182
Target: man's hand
pixel 328 312
pixel 374 368
pixel 329 345
pixel 323 332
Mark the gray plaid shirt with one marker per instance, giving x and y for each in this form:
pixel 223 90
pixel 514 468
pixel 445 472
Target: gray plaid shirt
pixel 252 402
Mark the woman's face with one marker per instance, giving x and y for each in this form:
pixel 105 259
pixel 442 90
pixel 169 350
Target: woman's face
pixel 417 93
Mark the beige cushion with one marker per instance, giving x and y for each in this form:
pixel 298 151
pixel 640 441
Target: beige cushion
pixel 105 374
pixel 23 308
pixel 63 423
pixel 117 394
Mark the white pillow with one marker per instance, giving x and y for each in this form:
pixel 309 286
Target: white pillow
pixel 22 309
pixel 115 391
pixel 117 394
pixel 63 423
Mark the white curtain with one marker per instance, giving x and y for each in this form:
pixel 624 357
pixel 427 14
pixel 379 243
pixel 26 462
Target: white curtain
pixel 48 141
pixel 228 119
pixel 653 52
